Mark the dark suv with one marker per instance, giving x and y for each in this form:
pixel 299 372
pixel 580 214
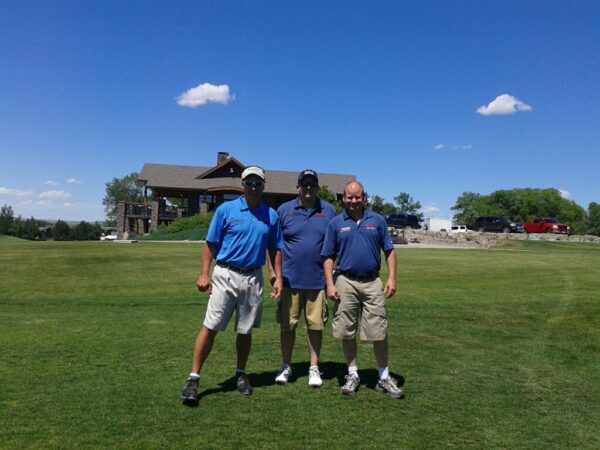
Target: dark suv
pixel 494 223
pixel 402 220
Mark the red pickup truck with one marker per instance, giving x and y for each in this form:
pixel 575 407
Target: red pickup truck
pixel 546 225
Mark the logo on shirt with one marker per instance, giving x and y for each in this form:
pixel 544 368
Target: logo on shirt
pixel 321 214
pixel 345 229
pixel 371 227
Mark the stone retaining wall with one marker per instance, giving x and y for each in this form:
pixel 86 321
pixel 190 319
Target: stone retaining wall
pixel 481 240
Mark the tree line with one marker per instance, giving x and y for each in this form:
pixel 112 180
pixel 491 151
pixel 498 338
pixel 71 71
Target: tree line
pixel 523 204
pixel 39 230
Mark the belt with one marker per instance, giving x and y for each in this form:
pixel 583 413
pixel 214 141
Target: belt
pixel 355 277
pixel 241 270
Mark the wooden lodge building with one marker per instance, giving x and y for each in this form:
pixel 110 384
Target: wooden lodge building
pixel 202 189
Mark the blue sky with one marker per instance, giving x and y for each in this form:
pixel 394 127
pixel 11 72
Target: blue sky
pixel 433 98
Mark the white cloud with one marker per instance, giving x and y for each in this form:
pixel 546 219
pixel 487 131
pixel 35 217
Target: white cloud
pixel 73 181
pixel 8 193
pixel 205 93
pixel 51 183
pixel 503 105
pixel 565 194
pixel 430 209
pixel 68 205
pixel 453 147
pixel 55 195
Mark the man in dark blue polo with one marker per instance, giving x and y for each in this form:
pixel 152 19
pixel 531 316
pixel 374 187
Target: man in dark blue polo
pixel 353 242
pixel 303 223
pixel 239 234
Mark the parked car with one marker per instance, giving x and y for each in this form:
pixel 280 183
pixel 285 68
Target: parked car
pixel 458 229
pixel 402 220
pixel 546 225
pixel 108 237
pixel 497 224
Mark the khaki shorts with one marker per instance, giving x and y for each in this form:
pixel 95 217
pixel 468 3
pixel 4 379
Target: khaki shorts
pixel 293 301
pixel 362 302
pixel 233 291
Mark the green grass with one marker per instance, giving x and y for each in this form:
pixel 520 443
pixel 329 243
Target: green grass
pixel 195 234
pixel 496 349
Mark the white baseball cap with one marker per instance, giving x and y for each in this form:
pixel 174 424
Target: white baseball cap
pixel 253 170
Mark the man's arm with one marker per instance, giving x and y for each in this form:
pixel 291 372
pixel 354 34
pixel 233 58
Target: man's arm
pixel 270 266
pixel 390 286
pixel 277 268
pixel 204 284
pixel 332 292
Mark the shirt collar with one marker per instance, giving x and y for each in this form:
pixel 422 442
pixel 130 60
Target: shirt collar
pixel 243 204
pixel 366 214
pixel 317 206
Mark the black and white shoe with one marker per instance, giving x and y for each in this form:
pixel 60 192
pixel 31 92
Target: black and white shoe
pixel 190 392
pixel 243 385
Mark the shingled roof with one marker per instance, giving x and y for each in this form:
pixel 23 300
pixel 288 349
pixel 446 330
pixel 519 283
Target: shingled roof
pixel 165 176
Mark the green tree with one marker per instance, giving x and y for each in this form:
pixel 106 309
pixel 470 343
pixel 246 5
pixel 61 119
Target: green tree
pixel 377 204
pixel 30 229
pixel 327 195
pixel 593 226
pixel 126 189
pixel 82 231
pixel 467 207
pixel 7 219
pixel 520 205
pixel 406 204
pixel 61 231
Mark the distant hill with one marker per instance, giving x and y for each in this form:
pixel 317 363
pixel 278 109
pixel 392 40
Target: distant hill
pixel 6 238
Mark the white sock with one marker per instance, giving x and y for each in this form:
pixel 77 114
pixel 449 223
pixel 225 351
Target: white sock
pixel 314 367
pixel 353 371
pixel 383 373
pixel 194 375
pixel 240 372
pixel 285 366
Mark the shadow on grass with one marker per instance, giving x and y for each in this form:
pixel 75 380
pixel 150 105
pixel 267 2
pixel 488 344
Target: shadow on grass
pixel 329 371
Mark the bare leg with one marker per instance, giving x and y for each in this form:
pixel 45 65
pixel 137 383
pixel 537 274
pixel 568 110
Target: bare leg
pixel 349 347
pixel 315 337
pixel 202 348
pixel 243 344
pixel 380 349
pixel 288 338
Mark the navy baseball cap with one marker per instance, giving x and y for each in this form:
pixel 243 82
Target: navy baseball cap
pixel 308 173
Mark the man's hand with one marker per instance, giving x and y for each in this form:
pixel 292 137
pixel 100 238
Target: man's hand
pixel 277 286
pixel 390 288
pixel 204 284
pixel 333 294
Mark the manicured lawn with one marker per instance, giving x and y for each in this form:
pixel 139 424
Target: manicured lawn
pixel 496 349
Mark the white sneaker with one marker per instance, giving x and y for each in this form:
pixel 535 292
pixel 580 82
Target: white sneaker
pixel 284 375
pixel 314 377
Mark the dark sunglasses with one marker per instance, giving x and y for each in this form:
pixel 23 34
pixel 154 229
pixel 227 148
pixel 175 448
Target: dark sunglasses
pixel 308 184
pixel 253 184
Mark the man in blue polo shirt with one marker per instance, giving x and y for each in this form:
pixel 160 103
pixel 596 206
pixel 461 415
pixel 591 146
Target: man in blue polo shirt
pixel 239 234
pixel 303 223
pixel 353 242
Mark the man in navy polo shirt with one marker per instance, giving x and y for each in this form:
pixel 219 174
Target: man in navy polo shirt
pixel 354 241
pixel 239 234
pixel 303 222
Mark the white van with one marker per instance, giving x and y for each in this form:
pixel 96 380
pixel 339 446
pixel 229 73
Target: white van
pixel 458 229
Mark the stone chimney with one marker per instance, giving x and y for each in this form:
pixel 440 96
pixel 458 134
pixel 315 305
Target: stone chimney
pixel 221 157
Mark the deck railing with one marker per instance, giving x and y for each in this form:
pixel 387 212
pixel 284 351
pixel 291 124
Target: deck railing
pixel 164 212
